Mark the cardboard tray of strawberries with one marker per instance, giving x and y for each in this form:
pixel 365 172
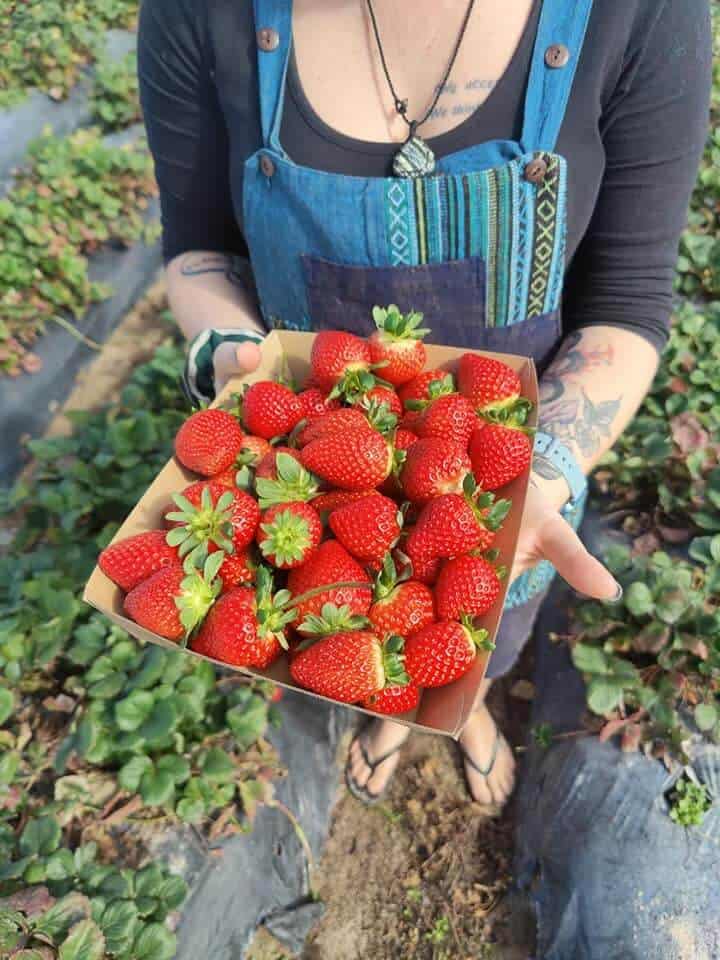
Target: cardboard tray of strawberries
pixel 349 538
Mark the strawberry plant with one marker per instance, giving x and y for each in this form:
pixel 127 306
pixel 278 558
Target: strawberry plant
pixel 690 801
pixel 115 98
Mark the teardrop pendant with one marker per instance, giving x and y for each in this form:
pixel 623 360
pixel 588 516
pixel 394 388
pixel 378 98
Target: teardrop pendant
pixel 414 159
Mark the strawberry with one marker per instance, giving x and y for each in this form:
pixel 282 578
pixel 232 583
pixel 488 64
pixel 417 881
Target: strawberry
pixel 335 353
pixel 267 467
pixel 289 534
pixel 293 483
pixel 397 698
pixel 212 517
pixel 315 404
pixel 172 602
pixel 466 586
pixel 208 441
pixel 499 454
pixel 428 391
pixel 352 460
pixel 493 388
pixel 433 466
pixel 330 564
pixel 132 560
pixel 238 474
pixel 253 450
pixel 404 439
pixel 383 395
pixel 424 569
pixel 401 606
pixel 348 666
pixel 270 409
pixel 335 421
pixel 451 417
pixel 443 652
pixel 419 388
pixel 455 523
pixel 237 568
pixel 396 347
pixel 367 528
pixel 327 502
pixel 246 627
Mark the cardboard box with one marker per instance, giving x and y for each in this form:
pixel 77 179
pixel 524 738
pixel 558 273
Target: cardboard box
pixel 442 710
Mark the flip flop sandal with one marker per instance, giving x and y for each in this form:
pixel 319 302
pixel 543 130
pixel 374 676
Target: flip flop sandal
pixel 483 771
pixel 368 797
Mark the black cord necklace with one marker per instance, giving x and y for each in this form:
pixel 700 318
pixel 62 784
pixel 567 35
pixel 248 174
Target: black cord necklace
pixel 415 158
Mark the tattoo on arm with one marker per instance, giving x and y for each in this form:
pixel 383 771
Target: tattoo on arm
pixel 231 266
pixel 566 410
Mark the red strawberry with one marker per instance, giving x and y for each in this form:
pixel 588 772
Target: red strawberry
pixel 443 652
pixel 132 560
pixel 327 502
pixel 334 353
pixel 245 627
pixel 455 523
pixel 424 569
pixel 212 517
pixel 396 346
pixel 451 417
pixel 499 454
pixel 404 439
pixel 398 698
pixel 367 528
pixel 208 441
pixel 293 483
pixel 401 606
pixel 267 467
pixel 330 564
pixel 237 568
pixel 433 466
pixel 238 474
pixel 171 603
pixel 335 421
pixel 419 388
pixel 270 409
pixel 466 586
pixel 489 384
pixel 254 449
pixel 315 404
pixel 352 460
pixel 349 666
pixel 289 534
pixel 383 395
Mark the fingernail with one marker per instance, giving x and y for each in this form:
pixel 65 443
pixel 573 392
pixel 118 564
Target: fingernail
pixel 618 595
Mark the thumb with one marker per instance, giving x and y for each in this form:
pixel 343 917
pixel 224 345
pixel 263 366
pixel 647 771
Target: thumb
pixel 559 544
pixel 235 360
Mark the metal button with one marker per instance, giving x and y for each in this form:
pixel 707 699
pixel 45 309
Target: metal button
pixel 536 170
pixel 268 39
pixel 266 165
pixel 557 56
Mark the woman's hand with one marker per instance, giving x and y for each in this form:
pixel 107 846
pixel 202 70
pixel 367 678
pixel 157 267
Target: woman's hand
pixel 545 535
pixel 234 360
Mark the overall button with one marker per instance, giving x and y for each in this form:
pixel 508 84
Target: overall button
pixel 266 165
pixel 557 56
pixel 535 170
pixel 268 39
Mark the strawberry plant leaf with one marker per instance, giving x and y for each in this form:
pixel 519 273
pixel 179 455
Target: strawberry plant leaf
pixel 157 788
pixel 706 716
pixel 155 942
pixel 638 599
pixel 7 704
pixel 85 942
pixel 41 837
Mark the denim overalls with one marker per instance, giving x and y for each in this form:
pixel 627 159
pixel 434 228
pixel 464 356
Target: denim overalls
pixel 478 247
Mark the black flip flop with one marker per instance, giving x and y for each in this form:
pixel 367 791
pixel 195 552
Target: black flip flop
pixel 368 797
pixel 483 771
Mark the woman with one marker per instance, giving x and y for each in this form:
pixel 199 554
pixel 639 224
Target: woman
pixel 479 160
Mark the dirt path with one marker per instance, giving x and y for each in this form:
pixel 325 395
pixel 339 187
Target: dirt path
pixel 423 875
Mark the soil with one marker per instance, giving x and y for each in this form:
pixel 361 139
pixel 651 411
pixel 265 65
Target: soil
pixel 426 874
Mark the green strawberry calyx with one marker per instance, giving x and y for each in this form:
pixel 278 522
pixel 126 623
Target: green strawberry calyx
pixel 436 389
pixel 379 415
pixel 198 592
pixel 333 619
pixel 271 609
pixel 394 662
pixel 490 513
pixel 356 382
pixel 395 325
pixel 294 483
pixel 286 538
pixel 478 635
pixel 388 578
pixel 201 526
pixel 511 412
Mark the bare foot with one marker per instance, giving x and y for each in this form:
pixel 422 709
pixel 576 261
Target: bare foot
pixel 479 741
pixel 382 738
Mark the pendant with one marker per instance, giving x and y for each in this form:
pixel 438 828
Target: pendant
pixel 414 159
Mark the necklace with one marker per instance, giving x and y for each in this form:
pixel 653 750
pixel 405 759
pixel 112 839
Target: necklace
pixel 415 158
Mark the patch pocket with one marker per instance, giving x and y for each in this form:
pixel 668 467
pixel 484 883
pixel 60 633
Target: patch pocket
pixel 451 296
pixel 537 338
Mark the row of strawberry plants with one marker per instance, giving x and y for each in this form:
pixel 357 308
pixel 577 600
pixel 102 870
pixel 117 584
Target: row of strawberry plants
pixel 99 733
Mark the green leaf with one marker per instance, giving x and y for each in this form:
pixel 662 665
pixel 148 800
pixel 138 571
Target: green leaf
pixel 157 788
pixel 155 942
pixel 40 837
pixel 85 942
pixel 248 722
pixel 639 599
pixel 131 712
pixel 172 892
pixel 706 716
pixel 7 704
pixel 589 659
pixel 60 865
pixel 176 767
pixel 217 766
pixel 58 919
pixel 119 924
pixel 603 695
pixel 131 772
pixel 160 724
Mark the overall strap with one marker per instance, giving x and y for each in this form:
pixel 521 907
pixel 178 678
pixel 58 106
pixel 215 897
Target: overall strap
pixel 558 45
pixel 273 26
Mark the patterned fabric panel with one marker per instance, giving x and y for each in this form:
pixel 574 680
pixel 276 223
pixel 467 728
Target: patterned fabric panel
pixel 516 227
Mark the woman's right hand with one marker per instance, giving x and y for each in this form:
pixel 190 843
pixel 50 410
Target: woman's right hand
pixel 234 360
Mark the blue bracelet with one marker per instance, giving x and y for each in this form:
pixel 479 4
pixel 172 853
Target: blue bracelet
pixel 557 454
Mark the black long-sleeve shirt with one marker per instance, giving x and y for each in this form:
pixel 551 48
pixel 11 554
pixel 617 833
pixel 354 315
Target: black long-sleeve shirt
pixel 633 133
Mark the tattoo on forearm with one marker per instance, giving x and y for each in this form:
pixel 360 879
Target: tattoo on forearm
pixel 196 265
pixel 566 410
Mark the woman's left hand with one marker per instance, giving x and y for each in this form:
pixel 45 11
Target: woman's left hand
pixel 545 535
